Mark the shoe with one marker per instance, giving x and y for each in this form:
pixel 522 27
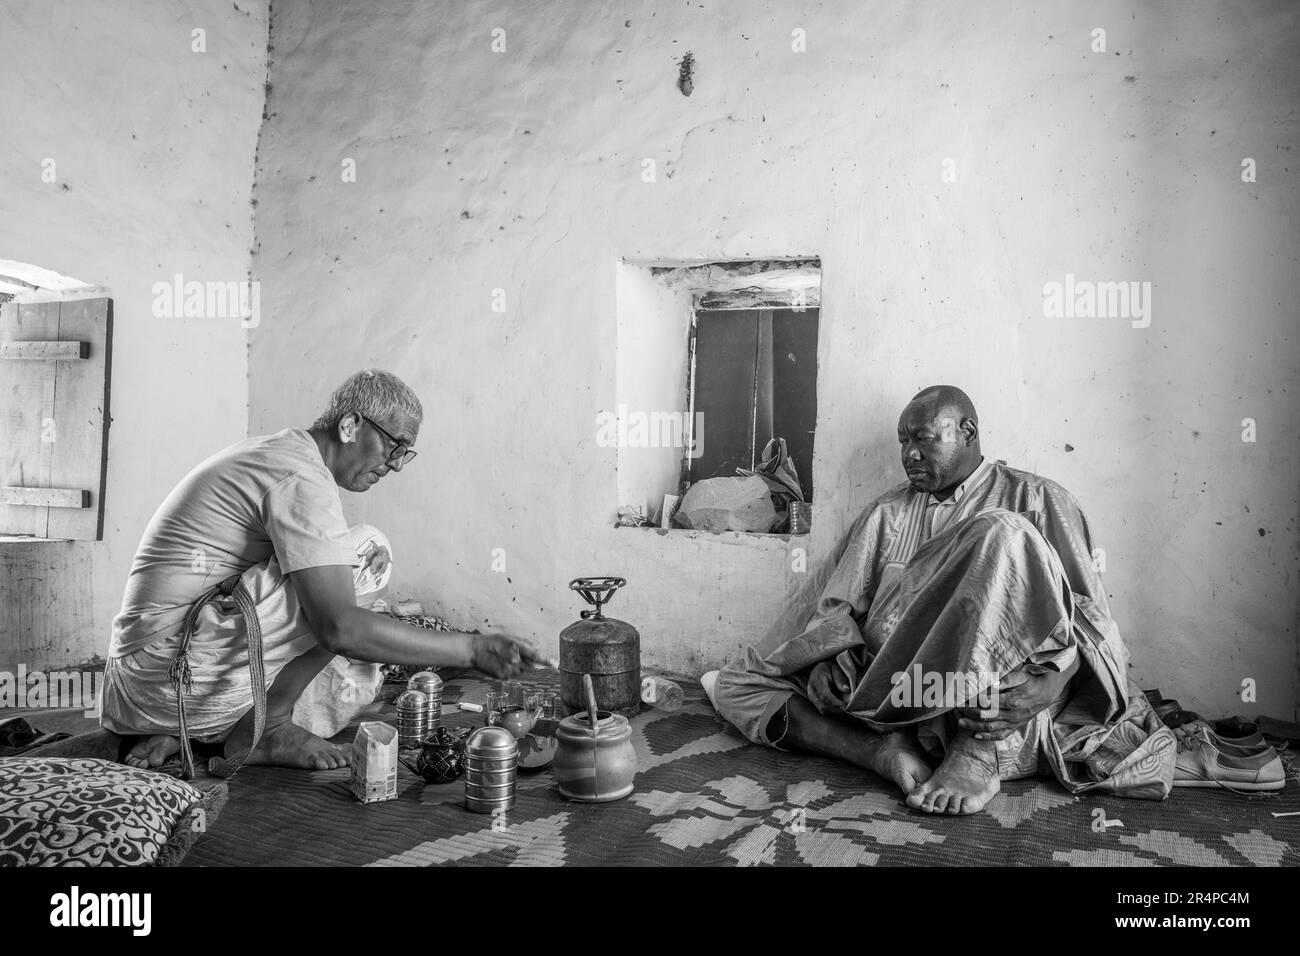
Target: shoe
pixel 1236 746
pixel 1281 729
pixel 1234 728
pixel 708 681
pixel 1201 764
pixel 1173 715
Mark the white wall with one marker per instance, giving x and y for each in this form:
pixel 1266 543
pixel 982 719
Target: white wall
pixel 653 371
pixel 153 147
pixel 522 170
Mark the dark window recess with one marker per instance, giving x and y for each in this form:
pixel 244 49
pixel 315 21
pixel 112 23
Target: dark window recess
pixel 755 379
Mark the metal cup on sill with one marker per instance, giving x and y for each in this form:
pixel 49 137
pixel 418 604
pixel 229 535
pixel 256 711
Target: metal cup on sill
pixel 800 517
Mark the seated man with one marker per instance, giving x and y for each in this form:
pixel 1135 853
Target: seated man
pixel 242 589
pixel 971 575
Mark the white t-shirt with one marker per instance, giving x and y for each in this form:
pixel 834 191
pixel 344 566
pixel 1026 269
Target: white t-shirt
pixel 262 497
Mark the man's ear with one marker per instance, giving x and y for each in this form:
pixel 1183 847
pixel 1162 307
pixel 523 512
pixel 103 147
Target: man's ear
pixel 348 426
pixel 971 430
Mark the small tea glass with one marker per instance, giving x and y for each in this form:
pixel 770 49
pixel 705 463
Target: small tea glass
pixel 547 702
pixel 513 691
pixel 494 704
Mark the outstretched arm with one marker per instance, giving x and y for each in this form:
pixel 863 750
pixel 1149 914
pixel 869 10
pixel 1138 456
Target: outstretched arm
pixel 328 602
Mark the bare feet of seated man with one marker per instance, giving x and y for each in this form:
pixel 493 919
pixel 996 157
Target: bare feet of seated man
pixel 817 726
pixel 968 777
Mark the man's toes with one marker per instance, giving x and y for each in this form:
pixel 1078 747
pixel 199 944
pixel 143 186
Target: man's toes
pixel 955 805
pixel 916 798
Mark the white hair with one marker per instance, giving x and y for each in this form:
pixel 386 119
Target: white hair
pixel 373 393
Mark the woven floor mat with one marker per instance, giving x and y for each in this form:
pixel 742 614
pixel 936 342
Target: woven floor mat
pixel 706 797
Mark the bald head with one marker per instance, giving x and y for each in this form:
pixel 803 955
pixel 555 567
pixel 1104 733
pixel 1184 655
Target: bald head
pixel 946 400
pixel 939 437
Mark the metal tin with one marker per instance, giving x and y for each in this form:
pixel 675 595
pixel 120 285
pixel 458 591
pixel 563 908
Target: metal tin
pixel 412 702
pixel 498 778
pixel 491 760
pixel 503 791
pixel 429 684
pixel 491 766
pixel 412 718
pixel 475 805
pixel 491 742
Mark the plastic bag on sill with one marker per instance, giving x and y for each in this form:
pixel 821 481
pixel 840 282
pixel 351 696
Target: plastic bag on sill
pixel 776 467
pixel 727 504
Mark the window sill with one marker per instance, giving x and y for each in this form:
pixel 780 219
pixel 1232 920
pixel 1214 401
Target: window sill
pixel 718 535
pixel 30 539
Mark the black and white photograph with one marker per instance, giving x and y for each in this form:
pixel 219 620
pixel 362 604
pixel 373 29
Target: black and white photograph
pixel 650 434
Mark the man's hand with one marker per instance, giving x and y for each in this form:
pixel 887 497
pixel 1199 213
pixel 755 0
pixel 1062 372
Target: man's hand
pixel 504 656
pixel 828 688
pixel 1022 694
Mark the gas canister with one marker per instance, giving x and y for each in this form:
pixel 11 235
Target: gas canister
pixel 604 647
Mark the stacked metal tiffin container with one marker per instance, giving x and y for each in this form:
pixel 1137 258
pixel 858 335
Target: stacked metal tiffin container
pixel 412 718
pixel 430 685
pixel 491 767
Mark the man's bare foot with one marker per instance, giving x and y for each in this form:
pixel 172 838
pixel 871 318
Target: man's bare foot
pixel 153 751
pixel 965 781
pixel 898 757
pixel 285 744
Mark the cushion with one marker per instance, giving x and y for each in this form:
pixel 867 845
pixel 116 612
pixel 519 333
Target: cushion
pixel 76 811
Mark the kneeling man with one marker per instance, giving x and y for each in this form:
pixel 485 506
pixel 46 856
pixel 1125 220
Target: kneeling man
pixel 962 623
pixel 245 585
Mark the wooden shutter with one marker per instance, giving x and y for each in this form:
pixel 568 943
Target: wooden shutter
pixel 55 363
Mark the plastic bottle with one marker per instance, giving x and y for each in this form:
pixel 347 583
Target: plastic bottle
pixel 662 694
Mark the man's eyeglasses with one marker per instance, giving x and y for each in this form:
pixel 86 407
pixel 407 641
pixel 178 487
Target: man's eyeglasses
pixel 401 453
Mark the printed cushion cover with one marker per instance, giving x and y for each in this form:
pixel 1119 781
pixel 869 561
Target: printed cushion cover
pixel 73 811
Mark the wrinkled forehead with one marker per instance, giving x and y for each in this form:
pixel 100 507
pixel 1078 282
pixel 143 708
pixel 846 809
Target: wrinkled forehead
pixel 919 415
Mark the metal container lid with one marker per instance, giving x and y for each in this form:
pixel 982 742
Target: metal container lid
pixel 492 742
pixel 412 700
pixel 425 681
